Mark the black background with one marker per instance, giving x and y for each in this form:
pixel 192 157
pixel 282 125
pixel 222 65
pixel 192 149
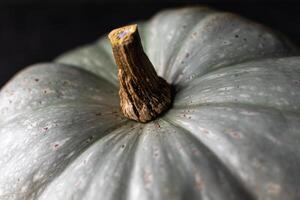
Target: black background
pixel 32 32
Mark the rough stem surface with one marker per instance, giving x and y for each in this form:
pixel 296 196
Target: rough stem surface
pixel 143 94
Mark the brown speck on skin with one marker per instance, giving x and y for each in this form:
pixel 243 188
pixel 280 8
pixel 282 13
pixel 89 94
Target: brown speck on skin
pixel 157 125
pixel 98 114
pixel 123 146
pixel 77 184
pixel 205 131
pixel 273 188
pixel 114 111
pixel 45 91
pixel 235 135
pixel 194 34
pixel 148 177
pixel 187 55
pixel 236 36
pixel 156 152
pixel 199 183
pixel 90 139
pixel 56 145
pixel 195 152
pixel 296 81
pixel 45 128
pixel 36 80
pixel 178 146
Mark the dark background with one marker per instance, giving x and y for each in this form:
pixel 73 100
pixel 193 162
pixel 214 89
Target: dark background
pixel 32 32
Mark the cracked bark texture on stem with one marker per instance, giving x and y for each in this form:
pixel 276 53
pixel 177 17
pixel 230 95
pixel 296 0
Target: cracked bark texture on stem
pixel 143 94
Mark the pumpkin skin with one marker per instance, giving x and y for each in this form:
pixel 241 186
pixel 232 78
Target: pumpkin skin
pixel 232 133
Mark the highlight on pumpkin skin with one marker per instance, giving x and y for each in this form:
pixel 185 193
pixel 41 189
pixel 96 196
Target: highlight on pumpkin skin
pixel 143 94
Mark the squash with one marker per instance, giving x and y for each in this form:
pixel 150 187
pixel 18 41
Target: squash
pixel 230 131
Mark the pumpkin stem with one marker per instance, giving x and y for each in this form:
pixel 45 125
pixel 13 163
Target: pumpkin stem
pixel 143 94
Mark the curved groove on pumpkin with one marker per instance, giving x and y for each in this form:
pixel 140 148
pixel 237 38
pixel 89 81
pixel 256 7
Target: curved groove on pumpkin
pixel 93 58
pixel 82 180
pixel 171 164
pixel 168 29
pixel 258 156
pixel 113 111
pixel 44 142
pixel 245 62
pixel 222 39
pixel 265 83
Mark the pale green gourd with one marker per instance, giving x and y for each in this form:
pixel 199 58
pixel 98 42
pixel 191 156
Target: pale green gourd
pixel 233 131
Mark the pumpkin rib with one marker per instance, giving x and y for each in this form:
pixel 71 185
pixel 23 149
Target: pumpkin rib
pixel 44 84
pixel 72 161
pixel 274 137
pixel 201 22
pixel 52 172
pixel 263 83
pixel 235 180
pixel 213 44
pixel 116 134
pixel 90 182
pixel 170 28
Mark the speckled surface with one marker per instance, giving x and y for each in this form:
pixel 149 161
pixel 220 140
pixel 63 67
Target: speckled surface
pixel 233 132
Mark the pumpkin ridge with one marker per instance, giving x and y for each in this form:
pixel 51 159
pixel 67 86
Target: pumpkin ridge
pixel 170 63
pixel 269 44
pixel 274 137
pixel 75 157
pixel 58 104
pixel 188 13
pixel 112 133
pixel 128 175
pixel 236 183
pixel 43 84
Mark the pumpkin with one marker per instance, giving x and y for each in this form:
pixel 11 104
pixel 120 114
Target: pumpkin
pixel 232 130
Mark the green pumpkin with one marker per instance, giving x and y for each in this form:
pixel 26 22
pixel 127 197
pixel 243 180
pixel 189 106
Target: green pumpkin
pixel 233 131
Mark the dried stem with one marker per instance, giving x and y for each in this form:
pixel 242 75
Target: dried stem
pixel 143 94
